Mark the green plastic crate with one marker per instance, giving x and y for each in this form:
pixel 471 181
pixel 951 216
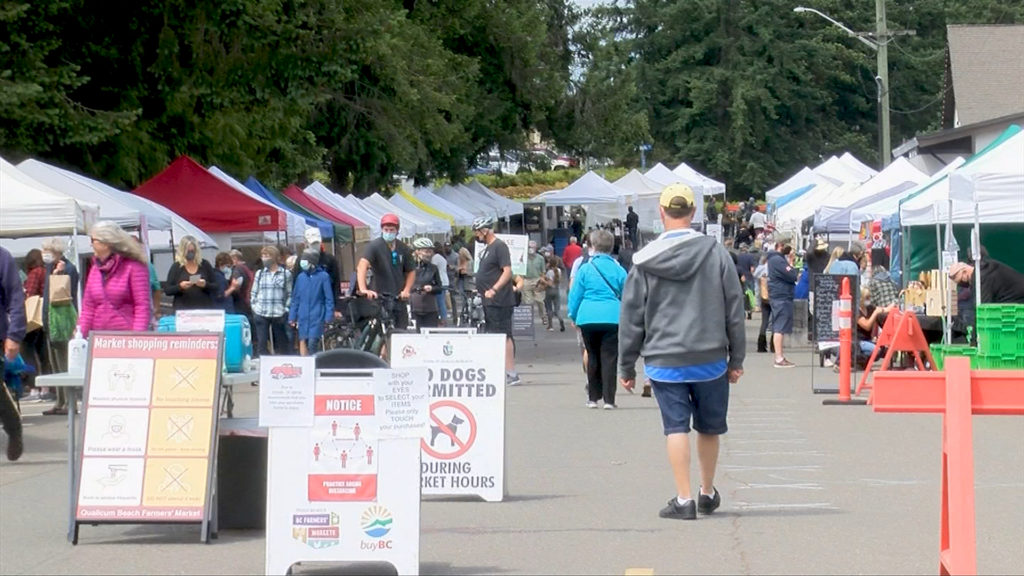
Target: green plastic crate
pixel 1001 330
pixel 941 351
pixel 986 362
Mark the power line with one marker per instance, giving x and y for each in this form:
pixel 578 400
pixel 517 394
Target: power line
pixel 936 55
pixel 928 105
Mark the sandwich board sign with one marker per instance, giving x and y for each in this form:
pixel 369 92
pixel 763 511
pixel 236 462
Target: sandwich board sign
pixel 343 486
pixel 150 423
pixel 464 447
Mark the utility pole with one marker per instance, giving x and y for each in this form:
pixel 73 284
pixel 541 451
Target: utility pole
pixel 644 148
pixel 882 35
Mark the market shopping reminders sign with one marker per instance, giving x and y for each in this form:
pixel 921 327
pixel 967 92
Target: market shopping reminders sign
pixel 337 490
pixel 464 446
pixel 150 421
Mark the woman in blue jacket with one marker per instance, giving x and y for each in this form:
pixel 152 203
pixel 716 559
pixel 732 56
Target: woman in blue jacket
pixel 312 303
pixel 594 301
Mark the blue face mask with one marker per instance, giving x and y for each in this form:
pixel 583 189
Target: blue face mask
pixel 389 237
pixel 227 271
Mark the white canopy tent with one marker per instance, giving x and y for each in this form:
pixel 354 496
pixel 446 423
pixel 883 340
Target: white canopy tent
pixel 647 194
pixel 992 182
pixel 589 189
pixel 900 175
pixel 805 177
pixel 512 207
pixel 423 225
pixel 494 206
pixel 125 216
pixel 662 175
pixel 790 215
pixel 841 171
pixel 708 186
pixel 888 206
pixel 462 216
pixel 30 208
pixel 857 166
pixel 407 228
pixel 161 238
pixel 407 205
pixel 324 194
pixel 470 201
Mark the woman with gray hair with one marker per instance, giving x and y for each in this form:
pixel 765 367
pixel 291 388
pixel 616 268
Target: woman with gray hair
pixel 594 301
pixel 116 295
pixel 191 281
pixel 59 316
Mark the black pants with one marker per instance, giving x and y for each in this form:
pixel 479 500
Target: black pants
pixel 9 414
pixel 766 316
pixel 602 344
pixel 264 325
pixel 425 320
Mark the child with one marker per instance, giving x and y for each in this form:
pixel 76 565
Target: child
pixel 426 286
pixel 312 302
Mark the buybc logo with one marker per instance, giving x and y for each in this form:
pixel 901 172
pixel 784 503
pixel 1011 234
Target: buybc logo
pixel 376 523
pixel 408 352
pixel 448 349
pixel 316 530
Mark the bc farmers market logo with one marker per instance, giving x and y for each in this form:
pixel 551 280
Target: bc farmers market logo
pixel 448 349
pixel 318 530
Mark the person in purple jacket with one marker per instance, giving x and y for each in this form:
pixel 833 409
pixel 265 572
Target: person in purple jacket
pixel 117 294
pixel 12 331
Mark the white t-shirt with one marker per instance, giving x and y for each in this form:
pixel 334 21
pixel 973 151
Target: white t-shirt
pixel 758 219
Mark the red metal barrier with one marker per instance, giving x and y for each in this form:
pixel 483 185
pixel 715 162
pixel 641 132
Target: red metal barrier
pixel 957 393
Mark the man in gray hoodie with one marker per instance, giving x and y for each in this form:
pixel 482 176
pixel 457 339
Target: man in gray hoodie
pixel 682 310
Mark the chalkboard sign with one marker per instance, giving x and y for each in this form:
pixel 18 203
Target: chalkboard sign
pixel 826 289
pixel 522 322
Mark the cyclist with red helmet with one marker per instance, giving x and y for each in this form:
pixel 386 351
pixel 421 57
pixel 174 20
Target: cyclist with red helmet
pixel 387 267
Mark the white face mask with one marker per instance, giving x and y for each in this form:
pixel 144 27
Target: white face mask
pixel 590 251
pixel 47 258
pixel 533 250
pixel 304 264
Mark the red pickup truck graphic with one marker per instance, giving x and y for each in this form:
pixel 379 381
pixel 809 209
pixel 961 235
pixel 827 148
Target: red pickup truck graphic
pixel 285 371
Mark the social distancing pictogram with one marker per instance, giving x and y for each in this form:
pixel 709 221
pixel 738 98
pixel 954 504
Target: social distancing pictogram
pixel 452 430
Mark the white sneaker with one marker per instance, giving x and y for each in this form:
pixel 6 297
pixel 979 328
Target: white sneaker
pixel 591 404
pixel 609 406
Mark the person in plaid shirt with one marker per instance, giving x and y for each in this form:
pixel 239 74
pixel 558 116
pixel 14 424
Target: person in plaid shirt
pixel 883 291
pixel 271 295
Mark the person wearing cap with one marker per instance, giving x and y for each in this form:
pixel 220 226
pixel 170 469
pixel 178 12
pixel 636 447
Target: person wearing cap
pixel 817 259
pixel 311 305
pixel 426 286
pixel 782 279
pixel 682 311
pixel 1000 284
pixel 494 284
pixel 325 261
pixel 386 267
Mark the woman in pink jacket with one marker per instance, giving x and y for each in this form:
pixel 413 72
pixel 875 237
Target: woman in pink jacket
pixel 117 295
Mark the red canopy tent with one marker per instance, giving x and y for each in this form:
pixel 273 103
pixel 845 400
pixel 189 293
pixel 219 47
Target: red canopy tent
pixel 299 196
pixel 188 189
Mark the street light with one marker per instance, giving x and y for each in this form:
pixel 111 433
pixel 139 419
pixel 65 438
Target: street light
pixel 882 79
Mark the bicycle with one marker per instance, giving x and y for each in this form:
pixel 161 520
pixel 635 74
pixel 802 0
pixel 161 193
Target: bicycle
pixel 373 336
pixel 471 313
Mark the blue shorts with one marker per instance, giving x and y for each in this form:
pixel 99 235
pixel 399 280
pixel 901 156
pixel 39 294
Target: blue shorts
pixel 706 402
pixel 782 316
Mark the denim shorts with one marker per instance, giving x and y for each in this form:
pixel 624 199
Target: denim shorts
pixel 706 402
pixel 782 316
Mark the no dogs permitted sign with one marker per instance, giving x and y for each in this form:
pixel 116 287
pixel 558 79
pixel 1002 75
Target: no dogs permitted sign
pixel 452 430
pixel 464 444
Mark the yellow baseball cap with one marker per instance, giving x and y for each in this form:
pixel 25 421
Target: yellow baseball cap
pixel 677 196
